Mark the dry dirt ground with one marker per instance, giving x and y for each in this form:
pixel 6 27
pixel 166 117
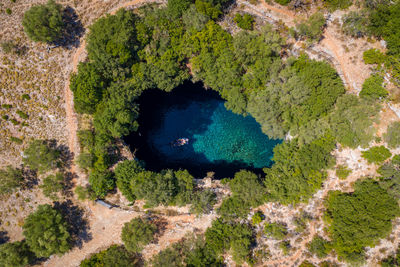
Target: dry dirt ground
pixel 44 76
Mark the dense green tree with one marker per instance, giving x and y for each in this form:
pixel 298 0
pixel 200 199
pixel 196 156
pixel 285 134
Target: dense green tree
pixel 137 233
pixel 376 154
pixel 40 156
pixel 52 185
pixel 101 182
pixel 85 160
pixel 373 88
pixel 46 232
pixel 275 230
pixel 116 116
pixel 359 219
pixel 88 87
pixel 298 172
pixel 125 172
pixel 114 256
pixel 43 23
pixel 246 21
pixel 15 254
pixel 319 247
pixel 10 179
pixel 313 27
pixel 225 235
pixel 390 179
pixel 177 7
pixel 373 56
pixel 111 44
pixel 392 135
pixel 351 122
pixel 247 191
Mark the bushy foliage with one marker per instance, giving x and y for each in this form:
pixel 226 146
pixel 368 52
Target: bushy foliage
pixel 373 56
pixel 355 24
pixel 10 179
pixel 40 156
pixel 257 218
pixel 392 260
pixel 392 135
pixel 52 185
pixel 88 87
pixel 359 219
pixel 376 154
pixel 373 88
pixel 125 172
pixel 337 4
pixel 15 254
pixel 246 21
pixel 225 235
pixel 177 7
pixel 247 191
pixel 275 230
pixel 342 172
pixel 114 256
pixel 390 177
pixel 283 2
pixel 313 27
pixel 298 171
pixel 319 247
pixel 46 232
pixel 101 182
pixel 43 23
pixel 137 233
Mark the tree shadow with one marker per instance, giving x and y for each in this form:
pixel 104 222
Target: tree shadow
pixel 30 178
pixel 3 237
pixel 73 30
pixel 68 184
pixel 75 217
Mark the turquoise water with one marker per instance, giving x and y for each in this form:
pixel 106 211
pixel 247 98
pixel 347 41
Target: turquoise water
pixel 219 140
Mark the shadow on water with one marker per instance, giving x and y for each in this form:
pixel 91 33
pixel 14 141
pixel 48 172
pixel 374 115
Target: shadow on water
pixel 219 141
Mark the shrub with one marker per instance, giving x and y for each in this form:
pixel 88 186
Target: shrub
pixel 16 140
pixel 359 219
pixel 8 11
pixel 338 4
pixel 137 233
pixel 40 156
pixel 86 139
pixel 285 247
pixel 355 24
pixel 46 232
pixel 22 114
pixel 377 154
pixel 342 172
pixel 85 160
pixel 245 21
pixel 313 27
pixel 392 135
pixel 319 246
pixel 52 184
pixel 257 218
pixel 43 23
pixel 283 2
pixel 114 256
pixel 81 192
pixel 101 182
pixel 203 202
pixel 26 97
pixel 6 106
pixel 15 254
pixel 372 88
pixel 373 56
pixel 275 230
pixel 10 179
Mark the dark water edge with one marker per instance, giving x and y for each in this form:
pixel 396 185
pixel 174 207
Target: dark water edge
pixel 219 141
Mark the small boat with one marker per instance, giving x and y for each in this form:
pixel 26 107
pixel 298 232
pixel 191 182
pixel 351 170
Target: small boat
pixel 180 142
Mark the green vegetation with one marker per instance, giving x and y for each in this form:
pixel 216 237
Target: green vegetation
pixel 227 235
pixel 359 219
pixel 392 135
pixel 283 2
pixel 43 23
pixel 203 202
pixel 53 184
pixel 46 232
pixel 376 154
pixel 342 172
pixel 247 191
pixel 275 230
pixel 393 260
pixel 338 4
pixel 10 179
pixel 373 56
pixel 319 247
pixel 115 255
pixel 137 233
pixel 355 24
pixel 101 182
pixel 257 218
pixel 246 21
pixel 372 88
pixel 22 114
pixel 40 156
pixel 390 177
pixel 313 27
pixel 16 254
pixel 285 247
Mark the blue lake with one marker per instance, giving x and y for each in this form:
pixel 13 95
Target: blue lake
pixel 219 140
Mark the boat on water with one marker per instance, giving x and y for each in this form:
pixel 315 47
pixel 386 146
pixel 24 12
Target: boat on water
pixel 180 142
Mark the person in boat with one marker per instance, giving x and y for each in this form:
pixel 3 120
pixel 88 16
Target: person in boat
pixel 180 142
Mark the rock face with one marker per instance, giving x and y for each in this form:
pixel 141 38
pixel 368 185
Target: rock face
pixel 395 108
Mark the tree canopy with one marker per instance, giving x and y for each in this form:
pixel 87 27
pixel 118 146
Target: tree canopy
pixel 10 179
pixel 137 233
pixel 114 256
pixel 44 23
pixel 15 254
pixel 46 232
pixel 40 156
